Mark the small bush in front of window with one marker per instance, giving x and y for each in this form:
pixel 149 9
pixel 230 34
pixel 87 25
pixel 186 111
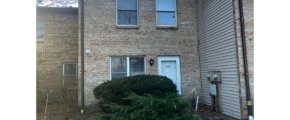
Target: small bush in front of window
pixel 148 107
pixel 114 91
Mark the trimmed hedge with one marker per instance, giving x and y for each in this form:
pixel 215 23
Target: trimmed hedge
pixel 114 91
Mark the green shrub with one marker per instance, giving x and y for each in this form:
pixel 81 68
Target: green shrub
pixel 102 105
pixel 170 107
pixel 114 90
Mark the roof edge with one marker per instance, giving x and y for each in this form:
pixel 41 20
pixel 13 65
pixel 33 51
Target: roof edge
pixel 73 10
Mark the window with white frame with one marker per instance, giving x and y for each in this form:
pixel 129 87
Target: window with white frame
pixel 40 28
pixel 166 14
pixel 127 66
pixel 69 74
pixel 127 13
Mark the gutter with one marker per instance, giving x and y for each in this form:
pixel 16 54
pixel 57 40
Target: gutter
pixel 82 56
pixel 246 71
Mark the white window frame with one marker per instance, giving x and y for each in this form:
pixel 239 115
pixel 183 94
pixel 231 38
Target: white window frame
pixel 117 15
pixel 175 17
pixel 128 64
pixel 43 27
pixel 64 72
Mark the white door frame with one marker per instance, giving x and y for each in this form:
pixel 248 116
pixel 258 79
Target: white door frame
pixel 171 58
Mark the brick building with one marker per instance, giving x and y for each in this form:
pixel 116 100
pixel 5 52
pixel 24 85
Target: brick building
pixel 122 36
pixel 57 44
pixel 111 43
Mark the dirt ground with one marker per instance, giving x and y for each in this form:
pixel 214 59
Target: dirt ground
pixel 54 113
pixel 205 113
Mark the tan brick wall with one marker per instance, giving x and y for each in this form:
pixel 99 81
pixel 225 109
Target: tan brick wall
pixel 249 36
pixel 104 40
pixel 59 46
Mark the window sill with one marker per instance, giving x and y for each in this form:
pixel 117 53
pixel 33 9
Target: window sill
pixel 39 40
pixel 126 27
pixel 167 27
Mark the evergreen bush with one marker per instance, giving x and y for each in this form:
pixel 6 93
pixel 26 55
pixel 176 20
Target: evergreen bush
pixel 170 107
pixel 114 91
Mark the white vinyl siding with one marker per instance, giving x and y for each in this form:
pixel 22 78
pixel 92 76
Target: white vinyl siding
pixel 218 52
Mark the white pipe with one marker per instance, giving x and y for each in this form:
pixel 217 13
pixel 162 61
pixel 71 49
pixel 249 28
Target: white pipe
pixel 196 103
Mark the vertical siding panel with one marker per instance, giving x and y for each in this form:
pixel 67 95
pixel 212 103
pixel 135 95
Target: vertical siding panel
pixel 218 51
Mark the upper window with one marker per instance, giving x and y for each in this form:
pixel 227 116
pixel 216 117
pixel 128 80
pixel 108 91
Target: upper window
pixel 127 12
pixel 69 74
pixel 40 28
pixel 127 66
pixel 166 13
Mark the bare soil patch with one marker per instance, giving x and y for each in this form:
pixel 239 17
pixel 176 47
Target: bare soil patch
pixel 54 113
pixel 205 113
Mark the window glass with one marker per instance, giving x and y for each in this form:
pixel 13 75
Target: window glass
pixel 165 18
pixel 119 64
pixel 70 75
pixel 165 5
pixel 127 4
pixel 40 22
pixel 119 67
pixel 137 64
pixel 70 69
pixel 40 28
pixel 127 12
pixel 118 75
pixel 127 17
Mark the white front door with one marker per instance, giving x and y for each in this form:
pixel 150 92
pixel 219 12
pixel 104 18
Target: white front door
pixel 169 70
pixel 169 67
